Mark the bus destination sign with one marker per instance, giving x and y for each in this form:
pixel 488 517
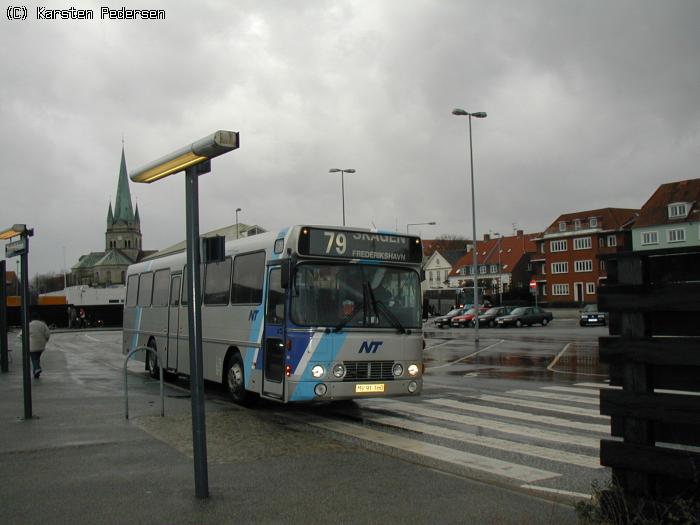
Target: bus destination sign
pixel 327 242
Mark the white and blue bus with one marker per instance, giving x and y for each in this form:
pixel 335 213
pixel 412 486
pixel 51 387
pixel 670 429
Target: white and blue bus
pixel 307 313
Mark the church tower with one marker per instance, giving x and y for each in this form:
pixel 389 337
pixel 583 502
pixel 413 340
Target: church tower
pixel 123 225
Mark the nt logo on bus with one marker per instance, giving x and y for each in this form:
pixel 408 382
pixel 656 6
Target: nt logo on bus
pixel 370 347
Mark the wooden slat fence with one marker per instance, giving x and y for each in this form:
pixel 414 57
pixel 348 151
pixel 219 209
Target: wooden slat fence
pixel 653 351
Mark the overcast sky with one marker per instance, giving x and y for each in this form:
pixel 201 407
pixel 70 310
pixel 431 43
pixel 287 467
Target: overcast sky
pixel 590 104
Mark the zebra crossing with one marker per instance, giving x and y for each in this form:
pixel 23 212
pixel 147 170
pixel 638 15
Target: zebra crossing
pixel 541 440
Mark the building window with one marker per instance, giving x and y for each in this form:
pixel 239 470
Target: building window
pixel 582 243
pixel 593 222
pixel 482 269
pixel 577 224
pixel 542 250
pixel 590 288
pixel 544 289
pixel 601 266
pixel 558 246
pixel 562 226
pixel 612 241
pixel 583 266
pixel 677 210
pixel 650 238
pixel 494 268
pixel 560 267
pixel 560 289
pixel 677 235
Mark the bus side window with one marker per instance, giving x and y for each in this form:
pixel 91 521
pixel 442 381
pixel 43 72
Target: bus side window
pixel 145 289
pixel 275 298
pixel 132 290
pixel 161 288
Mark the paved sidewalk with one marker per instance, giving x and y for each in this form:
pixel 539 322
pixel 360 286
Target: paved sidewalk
pixel 80 461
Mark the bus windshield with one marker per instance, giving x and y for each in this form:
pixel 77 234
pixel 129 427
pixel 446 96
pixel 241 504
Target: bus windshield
pixel 352 295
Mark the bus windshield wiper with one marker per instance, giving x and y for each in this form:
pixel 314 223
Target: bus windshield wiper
pixel 381 307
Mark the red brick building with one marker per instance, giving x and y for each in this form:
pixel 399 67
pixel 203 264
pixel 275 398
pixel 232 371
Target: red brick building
pixel 566 267
pixel 502 263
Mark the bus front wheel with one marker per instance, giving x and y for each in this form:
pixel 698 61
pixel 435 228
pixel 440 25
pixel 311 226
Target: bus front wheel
pixel 234 380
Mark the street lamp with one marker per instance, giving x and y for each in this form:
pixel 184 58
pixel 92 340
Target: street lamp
pixel 431 223
pixel 342 184
pixel 21 247
pixel 237 210
pixel 479 114
pixel 500 285
pixel 194 160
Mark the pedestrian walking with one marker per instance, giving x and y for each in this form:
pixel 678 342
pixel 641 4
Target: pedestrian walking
pixel 39 335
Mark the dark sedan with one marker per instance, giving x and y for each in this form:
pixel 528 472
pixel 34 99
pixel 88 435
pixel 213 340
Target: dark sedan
pixel 525 315
pixel 488 318
pixel 445 320
pixel 590 316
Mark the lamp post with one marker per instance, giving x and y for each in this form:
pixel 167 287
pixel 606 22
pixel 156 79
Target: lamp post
pixel 500 285
pixel 342 184
pixel 195 160
pixel 479 114
pixel 12 249
pixel 431 223
pixel 237 210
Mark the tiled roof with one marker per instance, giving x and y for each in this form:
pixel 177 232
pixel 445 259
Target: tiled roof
pixel 88 261
pixel 512 250
pixel 608 219
pixel 444 245
pixel 113 258
pixel 655 210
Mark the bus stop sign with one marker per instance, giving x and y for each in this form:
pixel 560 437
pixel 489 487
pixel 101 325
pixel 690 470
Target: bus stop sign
pixel 533 287
pixel 13 249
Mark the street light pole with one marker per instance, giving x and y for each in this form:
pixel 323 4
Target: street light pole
pixel 500 285
pixel 475 252
pixel 342 184
pixel 431 223
pixel 237 210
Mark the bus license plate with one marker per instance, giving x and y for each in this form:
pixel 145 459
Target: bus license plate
pixel 363 389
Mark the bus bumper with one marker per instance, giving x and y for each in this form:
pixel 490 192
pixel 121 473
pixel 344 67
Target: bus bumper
pixel 335 390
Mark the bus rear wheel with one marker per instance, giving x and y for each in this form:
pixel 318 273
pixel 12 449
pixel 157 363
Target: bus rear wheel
pixel 234 381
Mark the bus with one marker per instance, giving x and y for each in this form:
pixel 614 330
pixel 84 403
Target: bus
pixel 309 313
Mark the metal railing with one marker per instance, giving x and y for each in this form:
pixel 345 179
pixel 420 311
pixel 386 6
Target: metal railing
pixel 126 385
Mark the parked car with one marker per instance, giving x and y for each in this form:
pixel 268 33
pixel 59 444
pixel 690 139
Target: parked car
pixel 466 319
pixel 488 318
pixel 444 320
pixel 590 316
pixel 525 315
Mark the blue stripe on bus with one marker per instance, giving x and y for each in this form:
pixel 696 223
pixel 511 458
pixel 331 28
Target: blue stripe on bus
pixel 326 351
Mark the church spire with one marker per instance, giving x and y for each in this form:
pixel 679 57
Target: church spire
pixel 122 206
pixel 110 215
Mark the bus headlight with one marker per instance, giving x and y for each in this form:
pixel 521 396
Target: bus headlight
pixel 339 370
pixel 317 371
pixel 397 369
pixel 413 370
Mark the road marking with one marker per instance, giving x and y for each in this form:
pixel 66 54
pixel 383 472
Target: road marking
pixel 544 406
pixel 557 491
pixel 598 385
pixel 490 442
pixel 499 426
pixel 91 338
pixel 492 466
pixel 556 359
pixel 549 395
pixel 467 356
pixel 440 344
pixel 493 411
pixel 587 391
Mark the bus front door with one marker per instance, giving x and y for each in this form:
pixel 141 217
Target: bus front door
pixel 273 344
pixel 173 322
